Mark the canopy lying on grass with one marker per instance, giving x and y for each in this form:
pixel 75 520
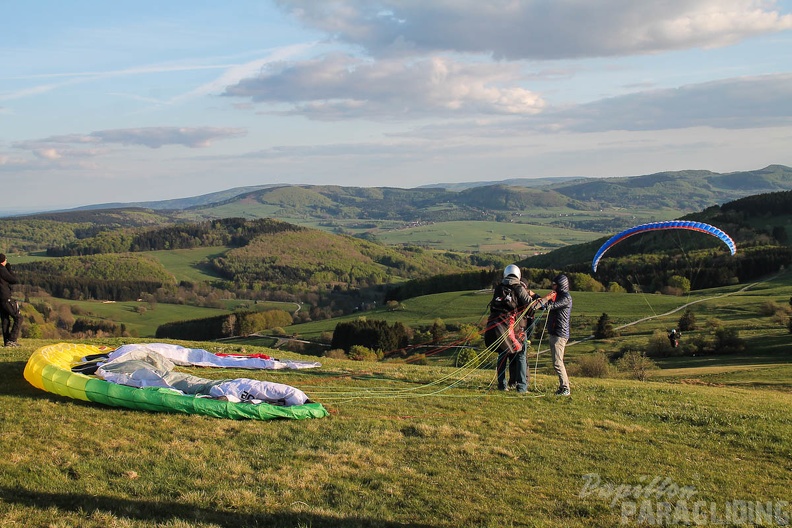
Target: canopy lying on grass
pixel 661 226
pixel 49 369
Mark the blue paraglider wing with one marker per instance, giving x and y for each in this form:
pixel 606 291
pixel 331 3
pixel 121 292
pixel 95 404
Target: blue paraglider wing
pixel 660 226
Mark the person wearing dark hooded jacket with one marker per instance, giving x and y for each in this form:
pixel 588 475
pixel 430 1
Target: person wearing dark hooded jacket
pixel 506 333
pixel 559 306
pixel 9 309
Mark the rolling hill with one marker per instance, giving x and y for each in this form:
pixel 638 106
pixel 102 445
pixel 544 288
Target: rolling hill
pixel 687 191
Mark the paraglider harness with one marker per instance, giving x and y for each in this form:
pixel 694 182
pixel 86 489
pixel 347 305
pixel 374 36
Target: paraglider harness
pixel 503 310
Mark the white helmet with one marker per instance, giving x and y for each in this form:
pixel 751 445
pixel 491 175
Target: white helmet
pixel 512 269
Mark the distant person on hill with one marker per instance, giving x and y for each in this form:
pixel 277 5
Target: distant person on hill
pixel 505 333
pixel 673 337
pixel 559 306
pixel 9 308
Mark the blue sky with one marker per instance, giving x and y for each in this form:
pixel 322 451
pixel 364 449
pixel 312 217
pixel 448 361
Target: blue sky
pixel 128 101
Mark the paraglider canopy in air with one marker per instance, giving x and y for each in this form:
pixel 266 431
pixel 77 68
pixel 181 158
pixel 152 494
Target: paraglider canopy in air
pixel 660 226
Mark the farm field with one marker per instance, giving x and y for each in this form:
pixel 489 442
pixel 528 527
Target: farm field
pixel 145 322
pixel 183 263
pixel 487 237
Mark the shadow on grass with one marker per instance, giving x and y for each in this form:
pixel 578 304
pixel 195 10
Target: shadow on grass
pixel 13 382
pixel 164 512
pixel 775 350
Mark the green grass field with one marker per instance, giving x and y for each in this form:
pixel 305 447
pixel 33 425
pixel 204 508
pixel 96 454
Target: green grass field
pixel 405 445
pixel 144 324
pixel 183 263
pixel 427 446
pixel 488 237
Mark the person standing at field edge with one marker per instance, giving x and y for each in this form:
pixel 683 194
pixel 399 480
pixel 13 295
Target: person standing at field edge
pixel 505 333
pixel 9 308
pixel 559 306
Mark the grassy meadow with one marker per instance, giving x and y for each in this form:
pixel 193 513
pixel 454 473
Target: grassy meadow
pixel 488 237
pixel 145 322
pixel 398 449
pixel 433 445
pixel 184 263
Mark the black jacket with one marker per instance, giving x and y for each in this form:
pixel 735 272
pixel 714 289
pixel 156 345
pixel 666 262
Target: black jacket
pixel 7 278
pixel 500 323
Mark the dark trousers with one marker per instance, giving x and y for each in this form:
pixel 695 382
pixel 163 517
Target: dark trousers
pixel 517 367
pixel 9 312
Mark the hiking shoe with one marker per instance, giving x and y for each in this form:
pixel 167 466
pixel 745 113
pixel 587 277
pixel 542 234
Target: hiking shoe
pixel 12 344
pixel 563 391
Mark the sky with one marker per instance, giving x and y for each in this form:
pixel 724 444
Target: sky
pixel 127 101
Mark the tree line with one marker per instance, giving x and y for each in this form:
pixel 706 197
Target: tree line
pixel 242 323
pixel 234 232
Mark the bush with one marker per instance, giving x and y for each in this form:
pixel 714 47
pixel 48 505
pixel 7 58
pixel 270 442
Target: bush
pixel 659 346
pixel 467 357
pixel 32 331
pixel 419 359
pixel 604 328
pixel 769 308
pixel 728 341
pixel 361 353
pixel 470 334
pixel 615 287
pixel 687 322
pixel 677 282
pixel 594 365
pixel 637 364
pixel 336 353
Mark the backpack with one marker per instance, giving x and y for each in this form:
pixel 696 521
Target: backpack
pixel 504 299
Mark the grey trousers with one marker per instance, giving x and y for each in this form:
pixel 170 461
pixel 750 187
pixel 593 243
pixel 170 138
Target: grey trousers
pixel 557 345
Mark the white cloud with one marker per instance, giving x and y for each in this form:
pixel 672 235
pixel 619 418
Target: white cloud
pixel 48 153
pixel 728 104
pixel 152 137
pixel 338 86
pixel 515 29
pixel 752 102
pixel 156 137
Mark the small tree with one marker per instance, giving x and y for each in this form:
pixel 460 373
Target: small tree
pixel 615 287
pixel 659 345
pixel 594 365
pixel 467 356
pixel 680 283
pixel 438 330
pixel 470 334
pixel 361 353
pixel 394 306
pixel 604 328
pixel 637 364
pixel 336 353
pixel 728 341
pixel 687 322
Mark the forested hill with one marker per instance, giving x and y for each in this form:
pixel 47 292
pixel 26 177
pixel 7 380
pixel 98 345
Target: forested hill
pixel 687 191
pixel 760 225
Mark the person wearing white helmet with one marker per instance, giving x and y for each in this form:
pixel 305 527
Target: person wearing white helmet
pixel 505 332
